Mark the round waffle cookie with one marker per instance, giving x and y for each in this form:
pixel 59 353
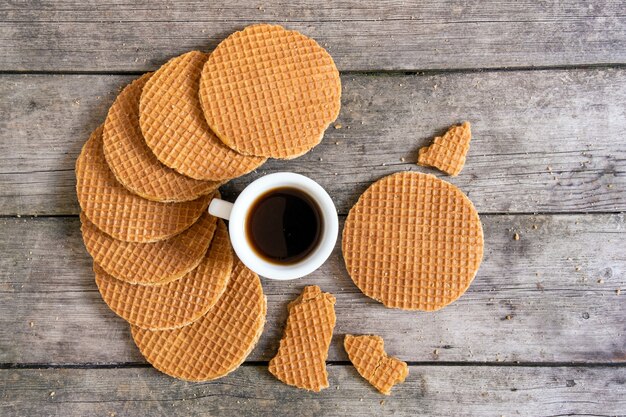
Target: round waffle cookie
pixel 132 161
pixel 413 241
pixel 120 213
pixel 271 92
pixel 174 127
pixel 217 343
pixel 149 263
pixel 178 303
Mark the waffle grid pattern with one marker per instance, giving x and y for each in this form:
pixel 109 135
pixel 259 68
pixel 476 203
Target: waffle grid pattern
pixel 447 153
pixel 149 263
pixel 270 92
pixel 178 303
pixel 174 127
pixel 120 213
pixel 301 357
pixel 413 242
pixel 367 354
pixel 133 163
pixel 218 342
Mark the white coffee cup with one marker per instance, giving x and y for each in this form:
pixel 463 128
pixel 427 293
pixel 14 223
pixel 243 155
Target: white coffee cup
pixel 237 213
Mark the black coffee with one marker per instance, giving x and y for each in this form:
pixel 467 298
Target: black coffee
pixel 284 225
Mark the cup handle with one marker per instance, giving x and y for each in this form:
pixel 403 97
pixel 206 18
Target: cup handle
pixel 220 208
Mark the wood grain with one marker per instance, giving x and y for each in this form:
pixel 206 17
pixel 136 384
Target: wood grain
pixel 251 390
pixel 543 141
pixel 117 35
pixel 548 297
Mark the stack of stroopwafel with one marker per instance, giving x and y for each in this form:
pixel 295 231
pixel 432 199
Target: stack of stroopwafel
pixel 146 177
pixel 171 138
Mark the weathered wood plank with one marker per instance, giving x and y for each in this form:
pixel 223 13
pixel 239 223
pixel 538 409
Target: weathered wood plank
pixel 556 285
pixel 371 35
pixel 251 390
pixel 544 141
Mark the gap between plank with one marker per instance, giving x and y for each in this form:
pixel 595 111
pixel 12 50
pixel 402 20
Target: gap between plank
pixel 125 365
pixel 494 214
pixel 424 71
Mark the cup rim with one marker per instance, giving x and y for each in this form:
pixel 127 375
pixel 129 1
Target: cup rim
pixel 240 241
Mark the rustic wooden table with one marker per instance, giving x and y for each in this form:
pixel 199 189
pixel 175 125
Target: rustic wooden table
pixel 541 331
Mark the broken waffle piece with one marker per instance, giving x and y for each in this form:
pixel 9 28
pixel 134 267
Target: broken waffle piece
pixel 301 357
pixel 447 153
pixel 367 354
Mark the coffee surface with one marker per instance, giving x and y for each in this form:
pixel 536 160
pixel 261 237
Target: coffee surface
pixel 284 225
